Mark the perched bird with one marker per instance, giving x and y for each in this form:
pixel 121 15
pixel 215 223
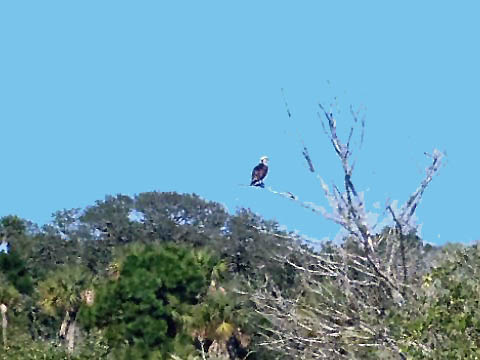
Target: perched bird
pixel 260 172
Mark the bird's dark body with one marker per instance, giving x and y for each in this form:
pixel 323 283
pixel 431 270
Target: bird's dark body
pixel 258 174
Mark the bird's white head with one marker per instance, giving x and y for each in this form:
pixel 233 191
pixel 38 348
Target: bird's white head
pixel 264 160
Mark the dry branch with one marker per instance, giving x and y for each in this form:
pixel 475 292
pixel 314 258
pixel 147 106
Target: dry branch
pixel 338 310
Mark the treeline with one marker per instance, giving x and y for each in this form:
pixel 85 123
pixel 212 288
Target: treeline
pixel 156 276
pixel 170 276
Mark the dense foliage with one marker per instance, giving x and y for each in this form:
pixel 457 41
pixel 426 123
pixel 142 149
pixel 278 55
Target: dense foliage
pixel 142 307
pixel 170 276
pixel 167 275
pixel 443 322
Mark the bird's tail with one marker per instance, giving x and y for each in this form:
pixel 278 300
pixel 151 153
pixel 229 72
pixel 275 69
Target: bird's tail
pixel 257 182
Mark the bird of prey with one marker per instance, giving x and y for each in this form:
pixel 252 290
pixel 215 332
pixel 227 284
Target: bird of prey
pixel 260 172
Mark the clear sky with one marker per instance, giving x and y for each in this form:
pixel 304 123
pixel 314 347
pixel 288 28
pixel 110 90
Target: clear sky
pixel 107 97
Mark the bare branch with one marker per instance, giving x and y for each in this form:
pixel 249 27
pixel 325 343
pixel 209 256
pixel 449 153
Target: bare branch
pixel 307 157
pixel 338 309
pixel 305 153
pixel 410 206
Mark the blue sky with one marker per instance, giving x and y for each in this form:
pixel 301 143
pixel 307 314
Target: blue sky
pixel 107 97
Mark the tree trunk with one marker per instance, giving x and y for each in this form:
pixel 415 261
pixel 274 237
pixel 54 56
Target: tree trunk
pixel 3 309
pixel 71 334
pixel 64 326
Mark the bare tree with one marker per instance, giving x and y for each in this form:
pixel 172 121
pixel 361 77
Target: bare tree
pixel 347 289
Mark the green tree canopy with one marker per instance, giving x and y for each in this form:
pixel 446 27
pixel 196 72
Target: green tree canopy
pixel 143 307
pixel 15 270
pixel 444 321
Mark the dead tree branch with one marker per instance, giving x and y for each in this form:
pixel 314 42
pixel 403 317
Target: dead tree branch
pixel 337 313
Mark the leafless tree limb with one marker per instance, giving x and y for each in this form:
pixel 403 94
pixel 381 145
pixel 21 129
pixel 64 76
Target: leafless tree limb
pixel 337 312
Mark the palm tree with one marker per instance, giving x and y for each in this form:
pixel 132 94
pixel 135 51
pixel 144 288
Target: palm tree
pixel 62 293
pixel 214 321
